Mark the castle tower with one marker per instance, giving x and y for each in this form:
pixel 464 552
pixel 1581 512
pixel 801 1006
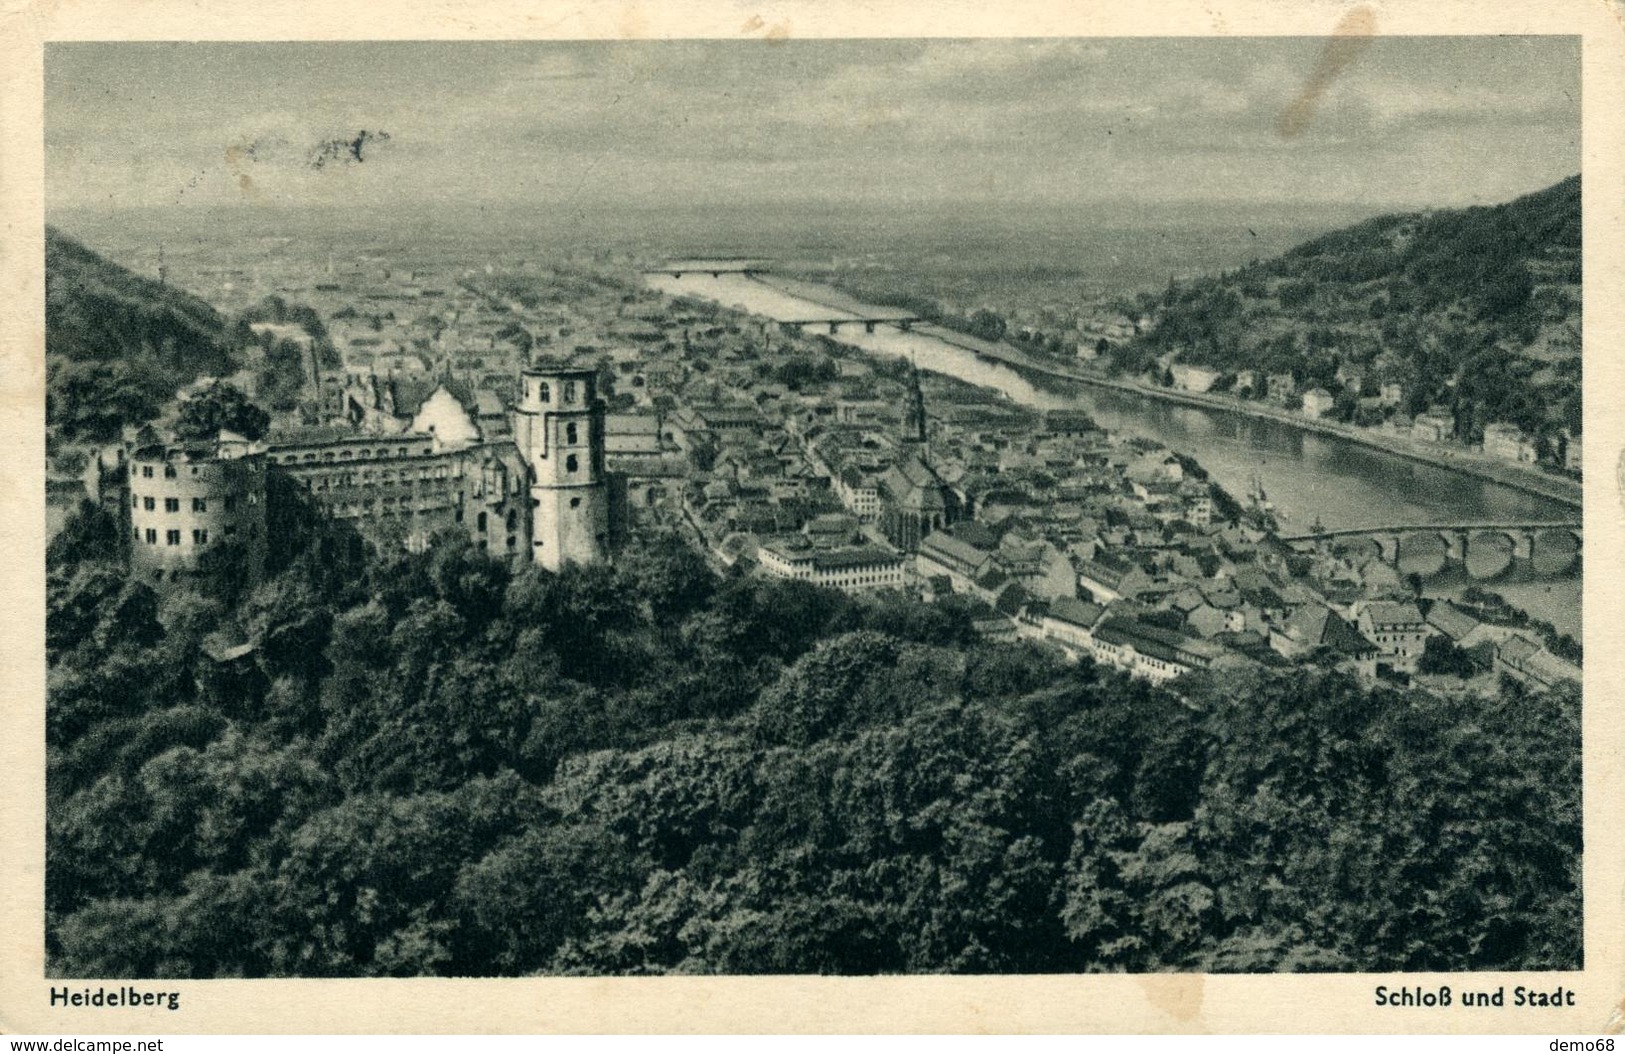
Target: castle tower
pixel 559 428
pixel 193 505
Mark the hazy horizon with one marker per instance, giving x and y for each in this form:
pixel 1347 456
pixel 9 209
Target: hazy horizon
pixel 1034 127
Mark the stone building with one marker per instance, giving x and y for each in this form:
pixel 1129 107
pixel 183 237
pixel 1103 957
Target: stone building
pixel 401 489
pixel 186 500
pixel 543 496
pixel 559 430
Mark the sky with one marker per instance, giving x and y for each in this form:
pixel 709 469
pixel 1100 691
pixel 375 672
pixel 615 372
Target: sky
pixel 1400 122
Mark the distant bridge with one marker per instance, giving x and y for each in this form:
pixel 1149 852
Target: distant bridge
pixel 902 320
pixel 715 270
pixel 1556 544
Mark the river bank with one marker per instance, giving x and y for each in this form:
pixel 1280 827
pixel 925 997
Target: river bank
pixel 1493 470
pixel 1310 473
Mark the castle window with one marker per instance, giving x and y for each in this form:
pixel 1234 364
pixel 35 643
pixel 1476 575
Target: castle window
pixel 200 505
pixel 479 523
pixel 513 518
pixel 575 503
pixel 570 435
pixel 172 505
pixel 571 463
pixel 172 537
pixel 149 503
pixel 169 471
pixel 146 471
pixel 200 537
pixel 546 393
pixel 152 536
pixel 569 391
pixel 510 541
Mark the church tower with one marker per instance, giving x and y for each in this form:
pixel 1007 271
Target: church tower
pixel 559 428
pixel 916 438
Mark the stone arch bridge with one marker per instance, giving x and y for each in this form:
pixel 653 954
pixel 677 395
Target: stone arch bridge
pixel 1487 550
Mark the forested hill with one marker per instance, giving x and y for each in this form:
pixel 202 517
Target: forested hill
pixel 1477 309
pixel 433 763
pixel 119 343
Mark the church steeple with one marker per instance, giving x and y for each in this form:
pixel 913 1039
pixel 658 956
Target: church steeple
pixel 914 427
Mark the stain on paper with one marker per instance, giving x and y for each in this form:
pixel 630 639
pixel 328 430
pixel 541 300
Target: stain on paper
pixel 1348 41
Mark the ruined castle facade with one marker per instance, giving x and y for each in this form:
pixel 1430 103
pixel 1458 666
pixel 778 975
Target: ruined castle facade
pixel 542 495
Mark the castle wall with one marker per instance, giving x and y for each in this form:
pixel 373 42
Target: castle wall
pixel 402 489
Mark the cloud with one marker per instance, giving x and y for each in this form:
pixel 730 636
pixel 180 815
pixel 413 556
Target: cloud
pixel 736 121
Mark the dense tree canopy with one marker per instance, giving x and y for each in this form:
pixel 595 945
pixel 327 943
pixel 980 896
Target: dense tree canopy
pixel 434 763
pixel 220 407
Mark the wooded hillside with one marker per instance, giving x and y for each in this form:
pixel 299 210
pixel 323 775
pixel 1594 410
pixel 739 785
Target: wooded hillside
pixel 433 764
pixel 1475 309
pixel 118 344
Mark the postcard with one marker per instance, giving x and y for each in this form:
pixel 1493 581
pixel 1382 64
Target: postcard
pixel 864 517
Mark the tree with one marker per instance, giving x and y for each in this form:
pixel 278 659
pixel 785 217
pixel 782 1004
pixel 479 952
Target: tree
pixel 220 407
pixel 840 684
pixel 986 324
pixel 1442 655
pixel 89 534
pixel 94 400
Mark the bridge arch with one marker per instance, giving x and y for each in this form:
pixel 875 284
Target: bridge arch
pixel 1362 547
pixel 1490 553
pixel 1554 551
pixel 1425 552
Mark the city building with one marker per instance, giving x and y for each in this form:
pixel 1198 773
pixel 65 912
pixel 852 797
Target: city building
pixel 1193 378
pixel 1508 442
pixel 1396 628
pixel 1317 403
pixel 1149 652
pixel 854 569
pixel 1435 426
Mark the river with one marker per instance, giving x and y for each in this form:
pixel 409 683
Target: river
pixel 1306 475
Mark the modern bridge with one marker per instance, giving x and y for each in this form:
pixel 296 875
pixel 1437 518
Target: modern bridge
pixel 714 268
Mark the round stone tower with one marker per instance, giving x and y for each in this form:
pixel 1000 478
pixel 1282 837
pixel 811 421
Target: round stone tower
pixel 188 500
pixel 559 428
